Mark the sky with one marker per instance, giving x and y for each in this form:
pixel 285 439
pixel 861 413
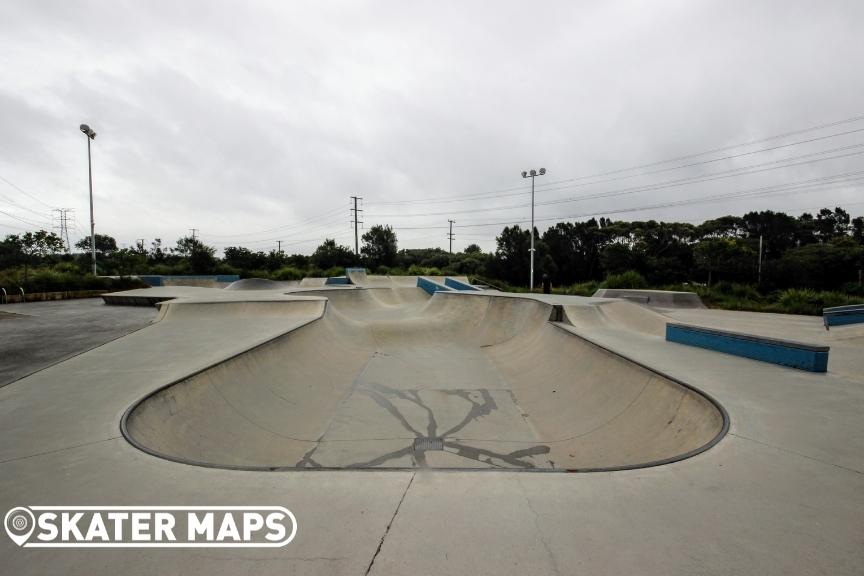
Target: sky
pixel 255 122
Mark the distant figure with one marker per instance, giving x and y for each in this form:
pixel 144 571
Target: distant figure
pixel 547 284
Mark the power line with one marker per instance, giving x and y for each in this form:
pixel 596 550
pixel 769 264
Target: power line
pixel 12 184
pixel 498 193
pixel 733 172
pixel 793 187
pixel 325 215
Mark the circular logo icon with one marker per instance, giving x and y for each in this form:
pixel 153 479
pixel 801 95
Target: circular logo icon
pixel 19 523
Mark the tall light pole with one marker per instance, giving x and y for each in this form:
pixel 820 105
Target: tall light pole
pixel 532 174
pixel 90 134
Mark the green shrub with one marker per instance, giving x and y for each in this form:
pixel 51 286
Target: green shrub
pixel 287 273
pixel 69 267
pixel 629 280
pixel 416 270
pixel 582 288
pixel 807 301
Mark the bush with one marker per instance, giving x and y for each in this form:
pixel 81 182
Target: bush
pixel 806 301
pixel 287 273
pixel 854 289
pixel 254 274
pixel 334 271
pixel 416 270
pixel 583 288
pixel 629 280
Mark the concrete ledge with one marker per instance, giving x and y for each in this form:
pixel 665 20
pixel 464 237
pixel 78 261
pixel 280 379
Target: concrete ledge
pixel 813 358
pixel 458 284
pixel 430 286
pixel 842 315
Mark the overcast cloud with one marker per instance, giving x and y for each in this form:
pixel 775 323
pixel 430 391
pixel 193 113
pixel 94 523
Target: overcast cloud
pixel 255 121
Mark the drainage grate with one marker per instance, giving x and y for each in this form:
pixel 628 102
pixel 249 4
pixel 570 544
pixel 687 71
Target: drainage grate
pixel 424 444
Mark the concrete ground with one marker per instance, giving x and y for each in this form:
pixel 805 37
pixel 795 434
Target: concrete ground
pixel 38 334
pixel 781 493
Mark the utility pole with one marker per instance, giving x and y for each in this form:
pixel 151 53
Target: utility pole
pixel 90 134
pixel 759 280
pixel 356 221
pixel 279 245
pixel 531 175
pixel 450 234
pixel 194 232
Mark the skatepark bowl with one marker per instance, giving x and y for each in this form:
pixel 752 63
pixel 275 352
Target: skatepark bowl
pixel 391 378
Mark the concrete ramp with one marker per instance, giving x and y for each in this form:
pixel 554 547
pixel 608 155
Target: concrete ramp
pixel 261 284
pixel 620 314
pixel 393 378
pixel 654 298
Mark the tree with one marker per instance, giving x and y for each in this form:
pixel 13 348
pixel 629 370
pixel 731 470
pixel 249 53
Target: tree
pixel 831 224
pixel 512 255
pixel 34 246
pixel 379 246
pixel 858 230
pixel 329 255
pixel 779 231
pixel 820 266
pixel 157 254
pixel 105 245
pixel 245 259
pixel 201 257
pixel 728 256
pixel 473 249
pixel 575 248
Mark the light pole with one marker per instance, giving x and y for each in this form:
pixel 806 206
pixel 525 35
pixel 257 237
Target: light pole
pixel 90 134
pixel 532 174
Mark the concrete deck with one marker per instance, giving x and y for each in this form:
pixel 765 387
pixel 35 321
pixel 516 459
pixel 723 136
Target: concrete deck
pixel 35 335
pixel 781 493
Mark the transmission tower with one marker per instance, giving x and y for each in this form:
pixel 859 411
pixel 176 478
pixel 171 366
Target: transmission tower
pixel 63 218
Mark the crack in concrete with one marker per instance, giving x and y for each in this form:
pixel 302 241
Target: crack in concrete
pixel 17 458
pixel 389 524
pixel 781 449
pixel 540 535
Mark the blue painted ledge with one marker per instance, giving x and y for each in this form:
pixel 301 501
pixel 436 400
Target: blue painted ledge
pixel 841 315
pixel 784 352
pixel 159 279
pixel 430 286
pixel 336 280
pixel 458 285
